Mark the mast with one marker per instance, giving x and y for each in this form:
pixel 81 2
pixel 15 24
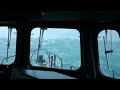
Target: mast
pixel 40 41
pixel 105 46
pixel 9 39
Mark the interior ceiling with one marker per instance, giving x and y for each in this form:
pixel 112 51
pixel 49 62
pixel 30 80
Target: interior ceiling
pixel 62 15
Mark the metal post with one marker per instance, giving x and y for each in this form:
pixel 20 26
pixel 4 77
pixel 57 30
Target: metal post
pixel 54 60
pixel 49 58
pixel 113 73
pixel 61 64
pixel 51 64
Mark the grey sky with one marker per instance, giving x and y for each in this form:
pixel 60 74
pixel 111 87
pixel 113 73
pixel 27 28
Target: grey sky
pixel 115 35
pixel 49 33
pixel 56 33
pixel 4 32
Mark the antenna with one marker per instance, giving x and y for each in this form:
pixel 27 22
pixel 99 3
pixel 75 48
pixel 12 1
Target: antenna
pixel 106 51
pixel 111 41
pixel 105 45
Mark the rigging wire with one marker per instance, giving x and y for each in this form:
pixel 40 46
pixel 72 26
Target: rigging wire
pixel 40 41
pixel 105 45
pixel 111 41
pixel 9 40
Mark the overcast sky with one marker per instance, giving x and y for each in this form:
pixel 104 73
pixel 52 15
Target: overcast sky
pixel 4 32
pixel 58 33
pixel 115 35
pixel 49 33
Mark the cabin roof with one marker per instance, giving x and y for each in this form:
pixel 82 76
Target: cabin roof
pixel 82 16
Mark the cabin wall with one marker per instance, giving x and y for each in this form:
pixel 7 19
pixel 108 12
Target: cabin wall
pixel 88 25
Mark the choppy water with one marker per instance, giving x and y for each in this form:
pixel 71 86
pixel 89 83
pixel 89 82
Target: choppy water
pixel 3 50
pixel 113 58
pixel 69 51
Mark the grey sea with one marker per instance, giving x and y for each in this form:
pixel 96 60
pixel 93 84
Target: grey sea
pixel 68 50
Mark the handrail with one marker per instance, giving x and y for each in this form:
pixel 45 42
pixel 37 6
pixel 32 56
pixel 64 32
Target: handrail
pixel 72 67
pixel 48 56
pixel 45 50
pixel 111 71
pixel 34 53
pixel 6 58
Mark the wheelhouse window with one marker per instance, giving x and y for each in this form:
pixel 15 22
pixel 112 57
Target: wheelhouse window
pixel 55 48
pixel 109 53
pixel 7 45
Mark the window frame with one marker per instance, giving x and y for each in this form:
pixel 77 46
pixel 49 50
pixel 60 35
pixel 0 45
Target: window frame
pixel 13 27
pixel 58 28
pixel 99 31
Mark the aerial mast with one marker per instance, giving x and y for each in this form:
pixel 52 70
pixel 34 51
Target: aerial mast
pixel 105 46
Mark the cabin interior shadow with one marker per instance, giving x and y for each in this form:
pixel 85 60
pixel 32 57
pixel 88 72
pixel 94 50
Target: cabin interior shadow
pixel 88 24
